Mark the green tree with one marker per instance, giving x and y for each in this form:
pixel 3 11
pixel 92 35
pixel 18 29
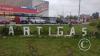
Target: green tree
pixel 95 15
pixel 98 26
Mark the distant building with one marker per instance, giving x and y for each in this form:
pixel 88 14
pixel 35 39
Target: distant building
pixel 85 18
pixel 18 3
pixel 41 7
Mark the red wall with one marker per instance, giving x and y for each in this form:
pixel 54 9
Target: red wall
pixel 17 9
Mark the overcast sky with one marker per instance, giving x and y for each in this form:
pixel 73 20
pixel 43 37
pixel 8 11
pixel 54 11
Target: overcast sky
pixel 65 7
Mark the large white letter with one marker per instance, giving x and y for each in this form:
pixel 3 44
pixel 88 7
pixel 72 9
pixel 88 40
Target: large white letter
pixel 72 32
pixel 39 30
pixel 49 31
pixel 84 31
pixel 26 31
pixel 11 30
pixel 59 33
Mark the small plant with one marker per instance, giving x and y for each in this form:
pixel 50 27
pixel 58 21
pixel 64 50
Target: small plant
pixel 18 30
pixel 93 23
pixel 32 50
pixel 98 25
pixel 4 31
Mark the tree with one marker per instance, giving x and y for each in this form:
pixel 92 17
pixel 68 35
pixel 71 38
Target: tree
pixel 98 30
pixel 98 26
pixel 95 15
pixel 59 19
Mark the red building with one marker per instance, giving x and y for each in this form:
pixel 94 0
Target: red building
pixel 39 8
pixel 11 9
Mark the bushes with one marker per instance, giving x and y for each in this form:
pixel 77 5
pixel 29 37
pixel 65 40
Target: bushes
pixel 98 25
pixel 93 23
pixel 18 30
pixel 4 31
pixel 97 35
pixel 98 28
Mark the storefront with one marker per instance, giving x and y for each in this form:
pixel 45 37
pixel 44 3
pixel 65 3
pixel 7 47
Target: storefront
pixel 5 9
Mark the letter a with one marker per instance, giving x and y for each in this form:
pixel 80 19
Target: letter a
pixel 11 30
pixel 72 32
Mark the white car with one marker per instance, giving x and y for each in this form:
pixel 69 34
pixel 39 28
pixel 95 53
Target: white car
pixel 52 20
pixel 38 21
pixel 32 21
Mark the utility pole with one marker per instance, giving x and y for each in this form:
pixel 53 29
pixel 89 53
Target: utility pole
pixel 70 14
pixel 79 10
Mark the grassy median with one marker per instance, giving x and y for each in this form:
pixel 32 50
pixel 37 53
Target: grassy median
pixel 45 45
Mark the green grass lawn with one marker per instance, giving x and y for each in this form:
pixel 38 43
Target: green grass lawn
pixel 46 45
pixel 15 46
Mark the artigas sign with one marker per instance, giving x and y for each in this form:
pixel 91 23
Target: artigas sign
pixel 84 44
pixel 59 31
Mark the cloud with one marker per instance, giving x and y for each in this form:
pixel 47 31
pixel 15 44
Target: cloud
pixel 64 7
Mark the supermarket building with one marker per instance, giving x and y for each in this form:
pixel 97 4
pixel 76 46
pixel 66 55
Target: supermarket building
pixel 34 7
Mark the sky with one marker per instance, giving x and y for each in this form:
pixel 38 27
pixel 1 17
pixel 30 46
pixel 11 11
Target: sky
pixel 67 7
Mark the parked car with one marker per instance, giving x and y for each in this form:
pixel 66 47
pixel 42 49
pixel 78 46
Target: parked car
pixel 37 20
pixel 4 20
pixel 32 21
pixel 23 20
pixel 52 20
pixel 64 21
pixel 59 21
pixel 46 19
pixel 40 21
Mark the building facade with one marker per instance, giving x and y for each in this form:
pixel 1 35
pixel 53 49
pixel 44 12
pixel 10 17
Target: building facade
pixel 41 6
pixel 16 3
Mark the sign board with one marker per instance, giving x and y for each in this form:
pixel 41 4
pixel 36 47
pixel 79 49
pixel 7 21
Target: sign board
pixel 6 8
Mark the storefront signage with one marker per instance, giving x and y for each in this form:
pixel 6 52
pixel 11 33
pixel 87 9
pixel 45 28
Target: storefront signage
pixel 6 8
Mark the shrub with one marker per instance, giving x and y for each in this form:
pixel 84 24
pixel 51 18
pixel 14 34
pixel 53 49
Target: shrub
pixel 93 23
pixel 98 25
pixel 4 31
pixel 97 34
pixel 18 30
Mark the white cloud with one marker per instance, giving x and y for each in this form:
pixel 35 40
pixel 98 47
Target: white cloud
pixel 66 6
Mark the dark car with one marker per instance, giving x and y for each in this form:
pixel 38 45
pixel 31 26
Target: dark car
pixel 59 21
pixel 24 22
